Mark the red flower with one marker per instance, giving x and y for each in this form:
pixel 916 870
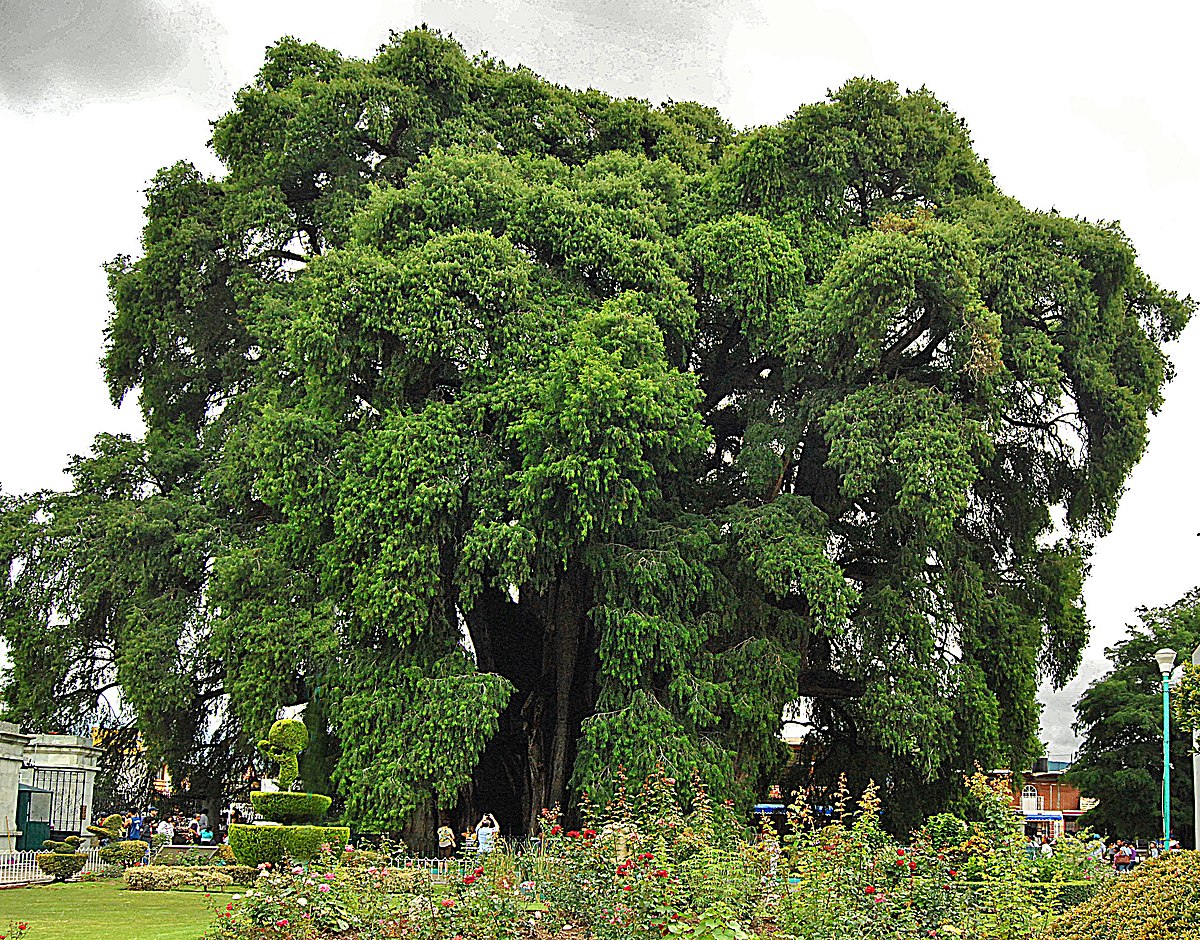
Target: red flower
pixel 449 902
pixel 661 873
pixel 555 830
pixel 589 833
pixel 469 880
pixel 627 888
pixel 573 834
pixel 953 873
pixel 870 889
pixel 478 872
pixel 899 851
pixel 912 866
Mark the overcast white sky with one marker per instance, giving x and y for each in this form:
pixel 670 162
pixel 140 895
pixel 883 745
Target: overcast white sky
pixel 1089 108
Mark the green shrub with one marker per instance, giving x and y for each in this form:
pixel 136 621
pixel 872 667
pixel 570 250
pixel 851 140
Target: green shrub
pixel 61 865
pixel 1070 893
pixel 253 845
pixel 945 830
pixel 304 842
pixel 222 856
pixel 111 828
pixel 170 877
pixel 126 853
pixel 1157 901
pixel 291 808
pixel 284 742
pixel 242 875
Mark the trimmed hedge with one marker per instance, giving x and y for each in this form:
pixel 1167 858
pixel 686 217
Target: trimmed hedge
pixel 170 877
pixel 1156 901
pixel 61 865
pixel 291 808
pixel 242 875
pixel 127 853
pixel 253 845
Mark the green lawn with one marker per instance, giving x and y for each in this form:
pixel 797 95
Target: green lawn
pixel 104 910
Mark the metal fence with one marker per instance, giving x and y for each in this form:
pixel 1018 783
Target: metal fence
pixel 20 868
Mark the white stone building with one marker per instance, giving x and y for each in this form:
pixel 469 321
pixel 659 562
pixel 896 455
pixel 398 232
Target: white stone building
pixel 59 768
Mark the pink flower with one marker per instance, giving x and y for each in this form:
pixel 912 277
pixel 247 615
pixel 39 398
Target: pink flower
pixel 322 888
pixel 449 902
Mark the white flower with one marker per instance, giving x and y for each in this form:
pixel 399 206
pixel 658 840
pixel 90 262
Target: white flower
pixel 249 892
pixel 237 897
pixel 302 901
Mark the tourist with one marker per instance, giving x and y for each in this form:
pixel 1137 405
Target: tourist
pixel 445 835
pixel 1047 849
pixel 1122 857
pixel 486 832
pixel 166 830
pixel 1031 848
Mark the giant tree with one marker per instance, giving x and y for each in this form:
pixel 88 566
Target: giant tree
pixel 524 432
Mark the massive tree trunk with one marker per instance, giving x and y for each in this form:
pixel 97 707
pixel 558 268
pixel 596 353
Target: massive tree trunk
pixel 545 645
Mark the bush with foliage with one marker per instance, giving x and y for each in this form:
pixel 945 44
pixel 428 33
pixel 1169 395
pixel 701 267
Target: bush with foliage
pixel 852 879
pixel 253 845
pixel 1159 900
pixel 125 853
pixel 290 807
pixel 171 877
pixel 283 744
pixel 110 830
pixel 63 860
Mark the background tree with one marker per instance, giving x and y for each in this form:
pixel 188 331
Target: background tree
pixel 1120 718
pixel 524 432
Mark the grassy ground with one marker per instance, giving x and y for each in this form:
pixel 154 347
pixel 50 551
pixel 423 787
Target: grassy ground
pixel 104 910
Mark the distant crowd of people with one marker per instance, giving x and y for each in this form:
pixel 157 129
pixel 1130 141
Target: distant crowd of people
pixel 176 829
pixel 1122 855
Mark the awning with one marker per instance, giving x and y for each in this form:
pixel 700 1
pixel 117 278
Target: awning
pixel 1044 817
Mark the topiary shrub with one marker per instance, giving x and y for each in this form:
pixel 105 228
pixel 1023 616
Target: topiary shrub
pixel 125 853
pixel 170 877
pixel 111 829
pixel 291 808
pixel 284 742
pixel 254 845
pixel 1157 901
pixel 304 842
pixel 62 861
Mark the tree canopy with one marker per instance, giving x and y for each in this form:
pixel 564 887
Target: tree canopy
pixel 524 432
pixel 1120 717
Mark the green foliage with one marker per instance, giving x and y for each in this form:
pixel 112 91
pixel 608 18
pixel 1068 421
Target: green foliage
pixel 124 853
pixel 111 828
pixel 679 424
pixel 173 877
pixel 1120 717
pixel 288 808
pixel 254 845
pixel 1157 901
pixel 945 830
pixel 62 861
pixel 284 742
pixel 68 846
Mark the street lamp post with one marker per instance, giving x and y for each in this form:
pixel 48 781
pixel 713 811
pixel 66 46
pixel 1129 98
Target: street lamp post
pixel 1166 662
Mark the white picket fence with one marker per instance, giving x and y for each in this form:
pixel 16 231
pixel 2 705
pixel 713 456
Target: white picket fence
pixel 20 868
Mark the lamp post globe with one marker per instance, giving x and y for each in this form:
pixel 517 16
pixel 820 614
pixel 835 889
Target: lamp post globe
pixel 1166 662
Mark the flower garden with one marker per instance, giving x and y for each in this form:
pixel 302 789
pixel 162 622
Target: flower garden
pixel 648 865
